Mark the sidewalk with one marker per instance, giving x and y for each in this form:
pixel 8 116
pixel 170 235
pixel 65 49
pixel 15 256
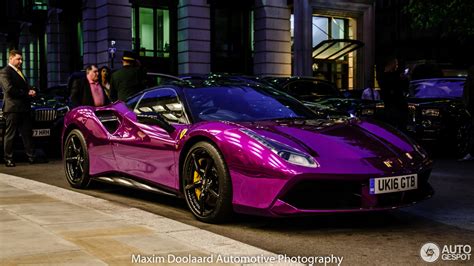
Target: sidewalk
pixel 43 224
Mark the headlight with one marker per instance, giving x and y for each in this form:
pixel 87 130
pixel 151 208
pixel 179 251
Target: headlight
pixel 1 114
pixel 430 112
pixel 282 150
pixel 62 110
pixel 367 112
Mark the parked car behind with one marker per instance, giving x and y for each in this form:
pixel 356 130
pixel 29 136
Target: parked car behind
pixel 437 114
pixel 322 92
pixel 48 109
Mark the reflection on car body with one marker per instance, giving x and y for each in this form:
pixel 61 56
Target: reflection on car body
pixel 243 148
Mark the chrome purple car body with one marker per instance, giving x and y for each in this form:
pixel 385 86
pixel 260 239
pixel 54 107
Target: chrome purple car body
pixel 277 166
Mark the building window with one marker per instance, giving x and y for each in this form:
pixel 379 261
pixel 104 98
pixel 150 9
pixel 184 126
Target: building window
pixel 232 38
pixel 339 70
pixel 331 28
pixel 151 31
pixel 3 61
pixel 40 5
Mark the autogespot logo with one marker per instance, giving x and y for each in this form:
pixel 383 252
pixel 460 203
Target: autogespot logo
pixel 430 252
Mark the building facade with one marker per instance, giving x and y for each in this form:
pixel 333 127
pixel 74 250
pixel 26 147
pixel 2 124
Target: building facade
pixel 187 37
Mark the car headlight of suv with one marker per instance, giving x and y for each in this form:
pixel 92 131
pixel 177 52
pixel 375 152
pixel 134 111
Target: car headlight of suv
pixel 282 150
pixel 61 111
pixel 1 114
pixel 430 112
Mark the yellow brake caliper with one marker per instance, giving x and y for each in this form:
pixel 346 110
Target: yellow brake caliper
pixel 196 179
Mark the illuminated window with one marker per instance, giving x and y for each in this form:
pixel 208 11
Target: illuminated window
pixel 333 60
pixel 40 5
pixel 151 31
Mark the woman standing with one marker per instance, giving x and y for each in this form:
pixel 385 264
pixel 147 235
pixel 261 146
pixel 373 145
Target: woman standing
pixel 104 79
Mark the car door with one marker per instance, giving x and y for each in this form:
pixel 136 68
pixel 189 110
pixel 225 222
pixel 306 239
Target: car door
pixel 146 150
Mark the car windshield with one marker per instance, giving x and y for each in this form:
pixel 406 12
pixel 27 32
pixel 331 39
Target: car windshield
pixel 243 103
pixel 437 88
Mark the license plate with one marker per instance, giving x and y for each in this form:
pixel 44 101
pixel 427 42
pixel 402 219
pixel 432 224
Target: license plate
pixel 393 184
pixel 41 132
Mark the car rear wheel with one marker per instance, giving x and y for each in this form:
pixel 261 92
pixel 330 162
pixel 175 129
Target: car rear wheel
pixel 76 160
pixel 206 184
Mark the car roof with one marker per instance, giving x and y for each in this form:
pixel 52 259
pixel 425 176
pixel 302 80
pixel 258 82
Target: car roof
pixel 438 79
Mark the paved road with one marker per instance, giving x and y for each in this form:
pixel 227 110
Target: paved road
pixel 393 237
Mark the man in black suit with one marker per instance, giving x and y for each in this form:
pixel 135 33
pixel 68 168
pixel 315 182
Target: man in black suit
pixel 87 90
pixel 16 107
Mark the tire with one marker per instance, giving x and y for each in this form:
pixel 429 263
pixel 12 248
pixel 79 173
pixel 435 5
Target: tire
pixel 76 160
pixel 206 184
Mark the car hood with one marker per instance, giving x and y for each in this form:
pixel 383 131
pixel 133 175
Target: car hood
pixel 43 101
pixel 351 139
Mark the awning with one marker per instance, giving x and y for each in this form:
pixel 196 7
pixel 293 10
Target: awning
pixel 335 48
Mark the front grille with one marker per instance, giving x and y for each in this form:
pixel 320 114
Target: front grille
pixel 45 115
pixel 338 194
pixel 324 195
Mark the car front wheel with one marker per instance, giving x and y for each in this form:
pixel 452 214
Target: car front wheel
pixel 76 160
pixel 206 184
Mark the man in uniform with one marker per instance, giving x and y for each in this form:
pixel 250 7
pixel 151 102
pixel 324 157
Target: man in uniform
pixel 130 79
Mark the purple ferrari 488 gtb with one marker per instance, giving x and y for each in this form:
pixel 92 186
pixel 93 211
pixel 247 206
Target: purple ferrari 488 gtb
pixel 243 148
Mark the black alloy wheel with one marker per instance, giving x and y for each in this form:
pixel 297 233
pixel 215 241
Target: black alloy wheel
pixel 206 184
pixel 76 160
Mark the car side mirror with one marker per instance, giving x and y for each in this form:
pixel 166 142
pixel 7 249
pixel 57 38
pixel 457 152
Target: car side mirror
pixel 155 119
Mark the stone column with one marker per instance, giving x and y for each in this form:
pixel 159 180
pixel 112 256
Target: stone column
pixel 194 37
pixel 302 41
pixel 58 53
pixel 272 38
pixel 368 55
pixel 104 21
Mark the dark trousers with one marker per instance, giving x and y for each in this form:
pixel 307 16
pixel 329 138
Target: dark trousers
pixel 24 124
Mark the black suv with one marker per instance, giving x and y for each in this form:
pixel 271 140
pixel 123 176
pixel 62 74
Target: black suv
pixel 47 109
pixel 437 114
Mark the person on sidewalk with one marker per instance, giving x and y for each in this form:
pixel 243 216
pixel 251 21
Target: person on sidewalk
pixel 104 79
pixel 128 80
pixel 468 98
pixel 17 94
pixel 87 90
pixel 393 88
